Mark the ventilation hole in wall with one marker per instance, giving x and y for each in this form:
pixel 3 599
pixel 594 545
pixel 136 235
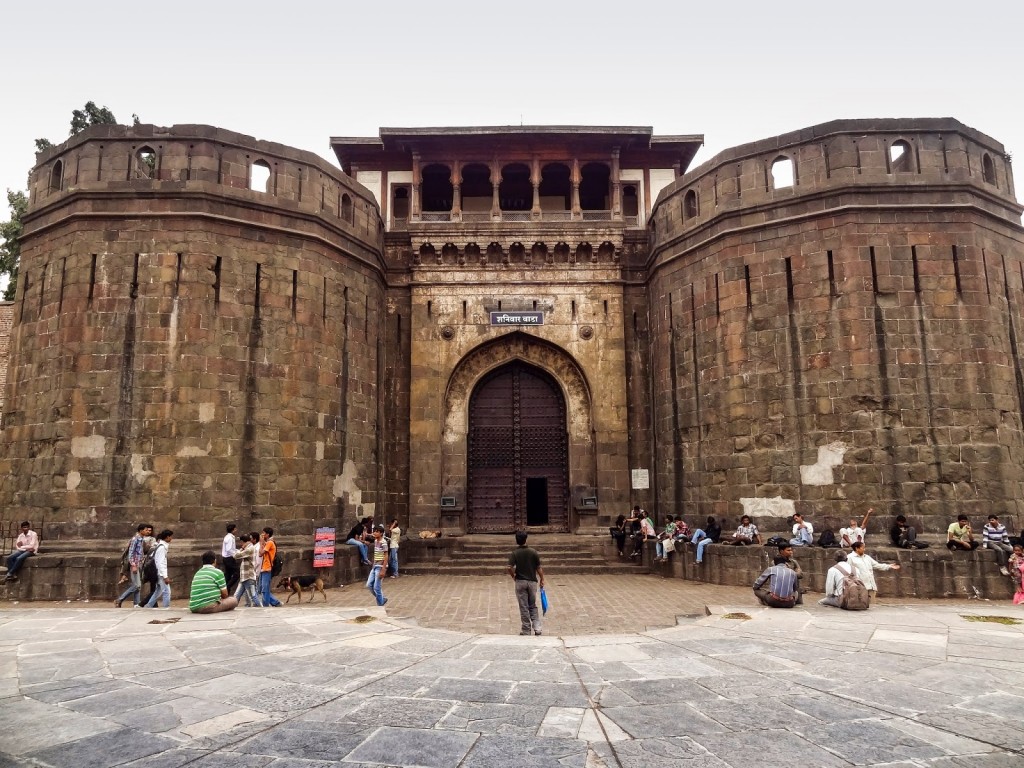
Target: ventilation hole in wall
pixel 42 287
pixel 145 163
pixel 874 270
pixel 783 172
pixel 718 302
pixel 984 266
pixel 828 164
pixel 60 298
pixel 430 309
pixel 956 272
pixel 24 296
pixel 216 282
pixel 746 285
pixel 900 157
pixel 832 289
pixel 499 306
pixel 635 323
pixel 945 159
pixel 789 280
pixel 344 315
pixel 92 279
pixel 295 293
pixel 347 212
pixel 177 277
pixel 259 176
pixel 574 307
pixel 134 292
pixel 988 169
pixel 464 309
pixel 323 307
pixel 535 304
pixel 606 306
pixel 366 317
pixel 917 272
pixel 256 294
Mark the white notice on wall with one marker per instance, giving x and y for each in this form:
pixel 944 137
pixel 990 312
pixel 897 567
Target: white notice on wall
pixel 641 479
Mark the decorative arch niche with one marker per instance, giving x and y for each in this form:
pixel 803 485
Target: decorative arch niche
pixel 487 357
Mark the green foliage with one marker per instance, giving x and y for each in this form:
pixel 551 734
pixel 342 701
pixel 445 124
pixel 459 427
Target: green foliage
pixel 81 119
pixel 10 245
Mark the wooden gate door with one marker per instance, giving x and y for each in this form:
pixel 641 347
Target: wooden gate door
pixel 518 453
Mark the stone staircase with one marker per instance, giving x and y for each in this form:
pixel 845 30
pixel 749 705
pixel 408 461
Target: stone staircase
pixel 487 554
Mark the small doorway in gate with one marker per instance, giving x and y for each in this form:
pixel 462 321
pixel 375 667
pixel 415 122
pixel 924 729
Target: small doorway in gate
pixel 536 501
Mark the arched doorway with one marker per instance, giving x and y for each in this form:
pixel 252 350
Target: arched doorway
pixel 518 452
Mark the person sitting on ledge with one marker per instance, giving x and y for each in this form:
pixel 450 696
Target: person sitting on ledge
pixel 26 545
pixel 904 536
pixel 959 536
pixel 856 532
pixel 996 537
pixel 209 593
pixel 709 534
pixel 746 533
pixel 357 538
pixel 803 532
pixel 777 586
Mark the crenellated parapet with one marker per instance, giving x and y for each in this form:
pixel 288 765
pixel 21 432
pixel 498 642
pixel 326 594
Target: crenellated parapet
pixel 934 162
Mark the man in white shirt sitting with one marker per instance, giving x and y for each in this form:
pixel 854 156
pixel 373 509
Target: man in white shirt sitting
pixel 850 536
pixel 803 532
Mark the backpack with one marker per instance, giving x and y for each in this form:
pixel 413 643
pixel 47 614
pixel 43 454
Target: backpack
pixel 277 565
pixel 149 572
pixel 855 595
pixel 827 539
pixel 777 541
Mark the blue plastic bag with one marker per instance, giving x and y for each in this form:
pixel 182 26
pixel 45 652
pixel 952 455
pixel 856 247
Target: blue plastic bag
pixel 543 600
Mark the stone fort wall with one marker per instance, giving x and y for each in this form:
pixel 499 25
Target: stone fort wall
pixel 186 349
pixel 850 340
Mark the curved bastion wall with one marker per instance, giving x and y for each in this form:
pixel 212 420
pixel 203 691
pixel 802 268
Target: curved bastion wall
pixel 836 323
pixel 197 337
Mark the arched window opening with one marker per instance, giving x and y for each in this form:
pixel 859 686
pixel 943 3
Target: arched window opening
pixel 690 208
pixel 515 192
pixel 594 187
pixel 988 169
pixel 630 202
pixel 437 188
pixel 476 188
pixel 145 163
pixel 400 203
pixel 57 176
pixel 347 214
pixel 259 176
pixel 782 172
pixel 899 157
pixel 555 188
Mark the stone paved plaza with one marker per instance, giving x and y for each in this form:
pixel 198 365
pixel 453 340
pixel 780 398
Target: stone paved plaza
pixel 440 679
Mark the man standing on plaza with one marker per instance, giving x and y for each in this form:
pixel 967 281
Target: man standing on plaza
pixel 524 567
pixel 227 556
pixel 380 564
pixel 136 551
pixel 268 550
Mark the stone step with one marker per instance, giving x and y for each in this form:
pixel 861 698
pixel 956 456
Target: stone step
pixel 476 569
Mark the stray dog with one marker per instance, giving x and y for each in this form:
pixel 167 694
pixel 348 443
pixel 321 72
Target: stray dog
pixel 297 583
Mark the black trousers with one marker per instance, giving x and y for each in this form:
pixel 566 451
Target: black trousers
pixel 231 574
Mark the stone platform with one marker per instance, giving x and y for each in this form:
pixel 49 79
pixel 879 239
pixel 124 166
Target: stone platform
pixel 904 685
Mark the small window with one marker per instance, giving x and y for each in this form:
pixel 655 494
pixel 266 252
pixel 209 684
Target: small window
pixel 690 207
pixel 346 209
pixel 988 169
pixel 899 157
pixel 782 172
pixel 57 176
pixel 400 204
pixel 259 176
pixel 145 163
pixel 630 202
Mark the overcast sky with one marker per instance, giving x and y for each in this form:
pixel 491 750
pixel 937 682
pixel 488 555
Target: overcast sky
pixel 301 72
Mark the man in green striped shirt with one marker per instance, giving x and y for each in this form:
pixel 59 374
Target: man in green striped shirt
pixel 209 589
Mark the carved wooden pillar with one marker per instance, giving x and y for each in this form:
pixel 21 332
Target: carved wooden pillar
pixel 417 183
pixel 535 180
pixel 616 186
pixel 495 189
pixel 576 211
pixel 456 180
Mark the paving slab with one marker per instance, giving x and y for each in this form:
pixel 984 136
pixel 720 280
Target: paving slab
pixel 671 682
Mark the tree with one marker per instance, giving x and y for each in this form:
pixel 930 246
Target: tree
pixel 10 246
pixel 81 119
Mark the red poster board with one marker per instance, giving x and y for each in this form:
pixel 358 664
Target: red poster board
pixel 323 548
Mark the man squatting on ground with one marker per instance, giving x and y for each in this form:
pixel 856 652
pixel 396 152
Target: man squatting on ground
pixel 209 593
pixel 524 567
pixel 777 586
